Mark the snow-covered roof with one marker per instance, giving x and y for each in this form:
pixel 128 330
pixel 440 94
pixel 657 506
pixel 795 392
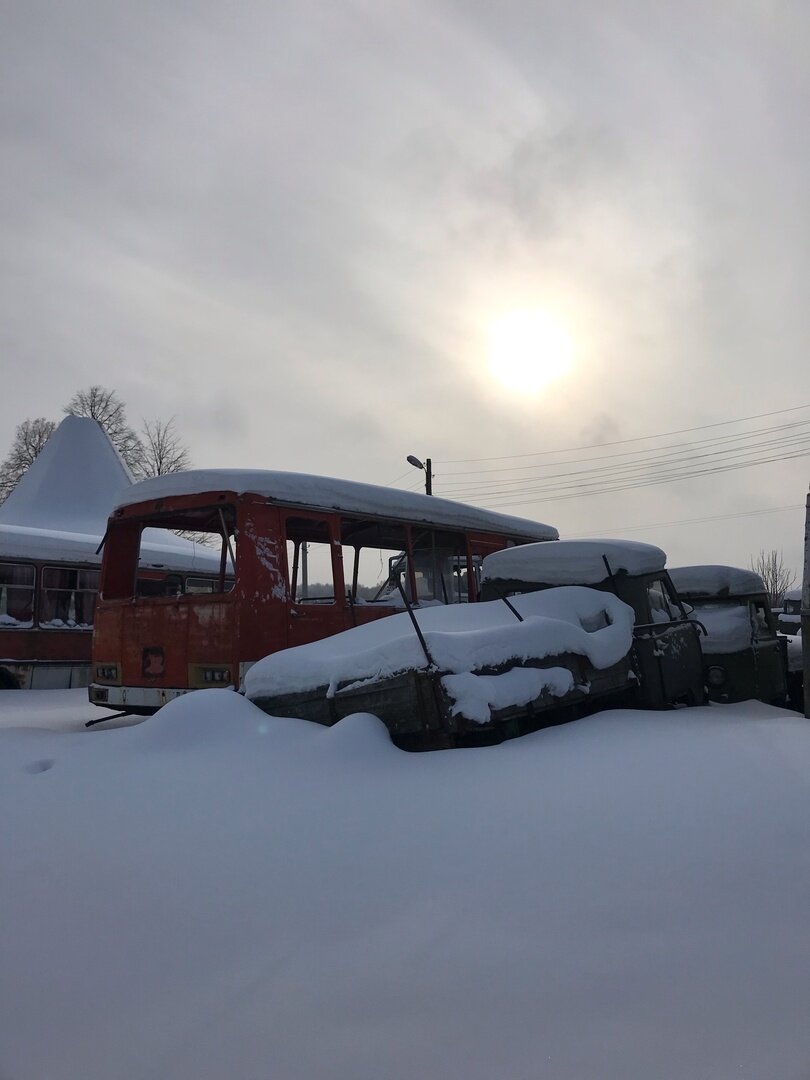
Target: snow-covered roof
pixel 793 594
pixel 73 483
pixel 329 493
pixel 159 549
pixel 58 512
pixel 572 562
pixel 716 581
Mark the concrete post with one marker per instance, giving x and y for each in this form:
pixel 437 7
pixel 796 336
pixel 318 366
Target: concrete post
pixel 806 611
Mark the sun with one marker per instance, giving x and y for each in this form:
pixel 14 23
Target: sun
pixel 528 350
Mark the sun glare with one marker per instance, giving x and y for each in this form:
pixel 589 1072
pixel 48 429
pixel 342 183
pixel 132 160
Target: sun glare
pixel 528 350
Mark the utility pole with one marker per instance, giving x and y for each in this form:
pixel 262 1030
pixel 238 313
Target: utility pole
pixel 806 611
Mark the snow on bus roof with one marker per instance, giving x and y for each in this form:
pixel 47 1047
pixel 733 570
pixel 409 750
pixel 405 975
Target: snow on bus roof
pixel 572 562
pixel 159 549
pixel 716 581
pixel 329 493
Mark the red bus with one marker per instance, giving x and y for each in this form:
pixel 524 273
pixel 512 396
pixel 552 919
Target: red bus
pixel 48 589
pixel 51 526
pixel 300 558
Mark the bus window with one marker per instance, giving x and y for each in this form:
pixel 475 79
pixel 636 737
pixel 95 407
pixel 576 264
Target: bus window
pixel 440 567
pixel 211 529
pixel 309 561
pixel 16 595
pixel 68 597
pixel 374 560
pixel 157 584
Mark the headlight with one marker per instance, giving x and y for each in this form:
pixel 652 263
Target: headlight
pixel 107 672
pixel 716 676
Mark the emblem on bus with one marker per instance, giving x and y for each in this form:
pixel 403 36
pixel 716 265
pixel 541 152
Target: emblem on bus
pixel 153 661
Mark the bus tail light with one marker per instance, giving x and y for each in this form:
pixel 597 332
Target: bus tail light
pixel 107 673
pixel 201 676
pixel 216 675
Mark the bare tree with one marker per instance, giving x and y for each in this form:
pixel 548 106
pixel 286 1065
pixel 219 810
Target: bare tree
pixel 162 450
pixel 778 578
pixel 105 406
pixel 29 439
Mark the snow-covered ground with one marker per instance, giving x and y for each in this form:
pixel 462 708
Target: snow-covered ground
pixel 215 893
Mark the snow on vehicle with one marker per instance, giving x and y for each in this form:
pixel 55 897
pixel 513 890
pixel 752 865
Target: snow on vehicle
pixel 789 618
pixel 448 676
pixel 666 649
pixel 743 657
pixel 51 527
pixel 301 558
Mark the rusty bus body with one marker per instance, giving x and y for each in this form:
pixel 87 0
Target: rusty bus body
pixel 301 558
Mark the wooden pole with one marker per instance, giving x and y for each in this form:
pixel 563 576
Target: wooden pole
pixel 806 611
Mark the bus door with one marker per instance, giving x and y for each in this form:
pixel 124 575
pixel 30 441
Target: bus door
pixel 315 579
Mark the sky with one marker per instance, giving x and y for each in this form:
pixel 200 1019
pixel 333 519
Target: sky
pixel 519 239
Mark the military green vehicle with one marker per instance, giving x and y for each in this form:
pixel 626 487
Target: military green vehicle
pixel 743 656
pixel 666 652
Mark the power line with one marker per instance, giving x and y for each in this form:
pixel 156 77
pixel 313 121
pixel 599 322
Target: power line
pixel 631 453
pixel 604 489
pixel 691 521
pixel 642 474
pixel 624 442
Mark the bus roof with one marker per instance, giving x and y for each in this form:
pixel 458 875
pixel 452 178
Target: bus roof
pixel 159 550
pixel 330 494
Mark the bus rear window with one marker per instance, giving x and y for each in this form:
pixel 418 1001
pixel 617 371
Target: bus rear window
pixel 173 554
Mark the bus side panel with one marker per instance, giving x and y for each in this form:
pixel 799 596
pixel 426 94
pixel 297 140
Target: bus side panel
pixel 64 646
pixel 262 594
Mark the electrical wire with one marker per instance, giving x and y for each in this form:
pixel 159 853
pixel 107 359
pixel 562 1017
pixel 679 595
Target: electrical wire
pixel 623 442
pixel 605 489
pixel 634 453
pixel 678 466
pixel 690 521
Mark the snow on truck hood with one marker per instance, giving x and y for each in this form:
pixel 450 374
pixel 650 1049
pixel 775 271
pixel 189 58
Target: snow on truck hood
pixel 572 562
pixel 460 638
pixel 328 493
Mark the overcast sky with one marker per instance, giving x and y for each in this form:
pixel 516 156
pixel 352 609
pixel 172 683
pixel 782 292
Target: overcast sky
pixel 294 227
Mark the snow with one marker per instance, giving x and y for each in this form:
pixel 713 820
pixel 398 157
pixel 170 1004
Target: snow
pixel 716 581
pixel 52 710
pixel 218 893
pixel 159 548
pixel 795 655
pixel 460 638
pixel 474 696
pixel 572 562
pixel 59 509
pixel 793 594
pixel 72 484
pixel 728 627
pixel 329 493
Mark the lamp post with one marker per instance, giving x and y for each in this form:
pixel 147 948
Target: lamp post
pixel 426 467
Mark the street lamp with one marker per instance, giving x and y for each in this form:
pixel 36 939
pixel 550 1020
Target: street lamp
pixel 426 468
